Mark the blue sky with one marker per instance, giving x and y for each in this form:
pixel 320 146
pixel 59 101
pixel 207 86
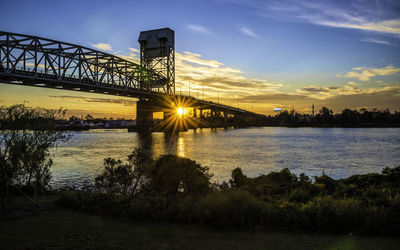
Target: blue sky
pixel 325 52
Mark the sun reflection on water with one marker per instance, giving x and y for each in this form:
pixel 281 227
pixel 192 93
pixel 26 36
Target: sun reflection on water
pixel 181 147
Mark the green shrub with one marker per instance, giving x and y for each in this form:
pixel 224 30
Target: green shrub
pixel 179 190
pixel 232 209
pixel 172 176
pixel 326 214
pixel 300 195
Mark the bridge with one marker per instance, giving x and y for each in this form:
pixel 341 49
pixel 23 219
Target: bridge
pixel 41 62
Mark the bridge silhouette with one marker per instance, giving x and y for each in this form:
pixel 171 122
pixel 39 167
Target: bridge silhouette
pixel 41 62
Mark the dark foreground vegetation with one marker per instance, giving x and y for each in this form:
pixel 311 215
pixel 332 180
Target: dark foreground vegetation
pixel 24 149
pixel 178 190
pixel 52 227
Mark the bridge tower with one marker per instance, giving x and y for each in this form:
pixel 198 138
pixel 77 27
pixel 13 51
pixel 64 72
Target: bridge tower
pixel 157 53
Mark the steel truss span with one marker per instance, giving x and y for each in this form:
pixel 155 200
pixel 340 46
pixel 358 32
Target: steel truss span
pixel 32 60
pixel 36 61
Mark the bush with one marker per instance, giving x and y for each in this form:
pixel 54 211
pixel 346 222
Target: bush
pixel 326 214
pixel 117 177
pixel 172 176
pixel 179 190
pixel 232 209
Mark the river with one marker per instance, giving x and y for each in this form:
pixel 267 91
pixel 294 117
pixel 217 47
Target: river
pixel 339 152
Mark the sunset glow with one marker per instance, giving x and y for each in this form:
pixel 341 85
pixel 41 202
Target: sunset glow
pixel 260 54
pixel 212 124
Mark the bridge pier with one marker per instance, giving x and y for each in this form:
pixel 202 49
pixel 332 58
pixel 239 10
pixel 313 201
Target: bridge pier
pixel 144 115
pixel 201 118
pixel 225 115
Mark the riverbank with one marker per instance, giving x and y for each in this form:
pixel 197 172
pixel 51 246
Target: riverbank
pixel 53 227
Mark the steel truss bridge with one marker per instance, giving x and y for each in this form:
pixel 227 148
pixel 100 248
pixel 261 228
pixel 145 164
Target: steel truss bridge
pixel 36 61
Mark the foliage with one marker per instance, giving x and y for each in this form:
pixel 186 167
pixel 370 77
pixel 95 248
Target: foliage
pixel 173 176
pixel 123 178
pixel 179 190
pixel 232 209
pixel 116 177
pixel 24 153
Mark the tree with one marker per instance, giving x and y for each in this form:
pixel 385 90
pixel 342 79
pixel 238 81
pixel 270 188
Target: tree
pixel 172 176
pixel 25 139
pixel 124 178
pixel 238 178
pixel 141 162
pixel 89 117
pixel 325 115
pixel 116 177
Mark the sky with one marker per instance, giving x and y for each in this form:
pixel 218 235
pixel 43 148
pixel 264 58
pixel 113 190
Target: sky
pixel 257 54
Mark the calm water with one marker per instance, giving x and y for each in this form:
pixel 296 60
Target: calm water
pixel 340 152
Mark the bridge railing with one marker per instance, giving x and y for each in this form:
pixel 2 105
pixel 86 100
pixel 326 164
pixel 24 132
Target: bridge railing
pixel 35 58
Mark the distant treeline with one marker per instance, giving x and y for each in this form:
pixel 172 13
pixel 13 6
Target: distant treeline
pixel 347 118
pixel 22 117
pixel 40 119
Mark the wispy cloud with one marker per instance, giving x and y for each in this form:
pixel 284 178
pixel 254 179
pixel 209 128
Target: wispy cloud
pixel 247 31
pixel 353 83
pixel 365 74
pixel 199 29
pixel 102 46
pixel 363 15
pixel 196 59
pixel 232 83
pixel 214 76
pixel 96 100
pixel 132 56
pixel 375 40
pixel 323 93
pixel 134 50
pixel 340 98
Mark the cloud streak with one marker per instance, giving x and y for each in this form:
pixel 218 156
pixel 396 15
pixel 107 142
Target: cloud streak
pixel 365 74
pixel 248 32
pixel 199 29
pixel 102 46
pixel 96 100
pixel 344 98
pixel 375 40
pixel 214 76
pixel 362 15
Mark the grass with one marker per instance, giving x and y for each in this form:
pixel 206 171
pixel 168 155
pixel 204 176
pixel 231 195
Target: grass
pixel 51 227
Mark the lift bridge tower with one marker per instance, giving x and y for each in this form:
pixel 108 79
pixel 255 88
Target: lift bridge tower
pixel 157 53
pixel 157 56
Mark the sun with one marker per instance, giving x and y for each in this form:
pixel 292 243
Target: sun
pixel 180 111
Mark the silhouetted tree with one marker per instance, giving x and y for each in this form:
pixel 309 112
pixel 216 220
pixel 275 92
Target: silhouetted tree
pixel 172 176
pixel 238 178
pixel 124 178
pixel 116 177
pixel 24 147
pixel 325 115
pixel 89 117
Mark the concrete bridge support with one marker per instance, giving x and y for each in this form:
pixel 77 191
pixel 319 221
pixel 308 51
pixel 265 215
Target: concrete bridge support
pixel 225 117
pixel 144 115
pixel 201 123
